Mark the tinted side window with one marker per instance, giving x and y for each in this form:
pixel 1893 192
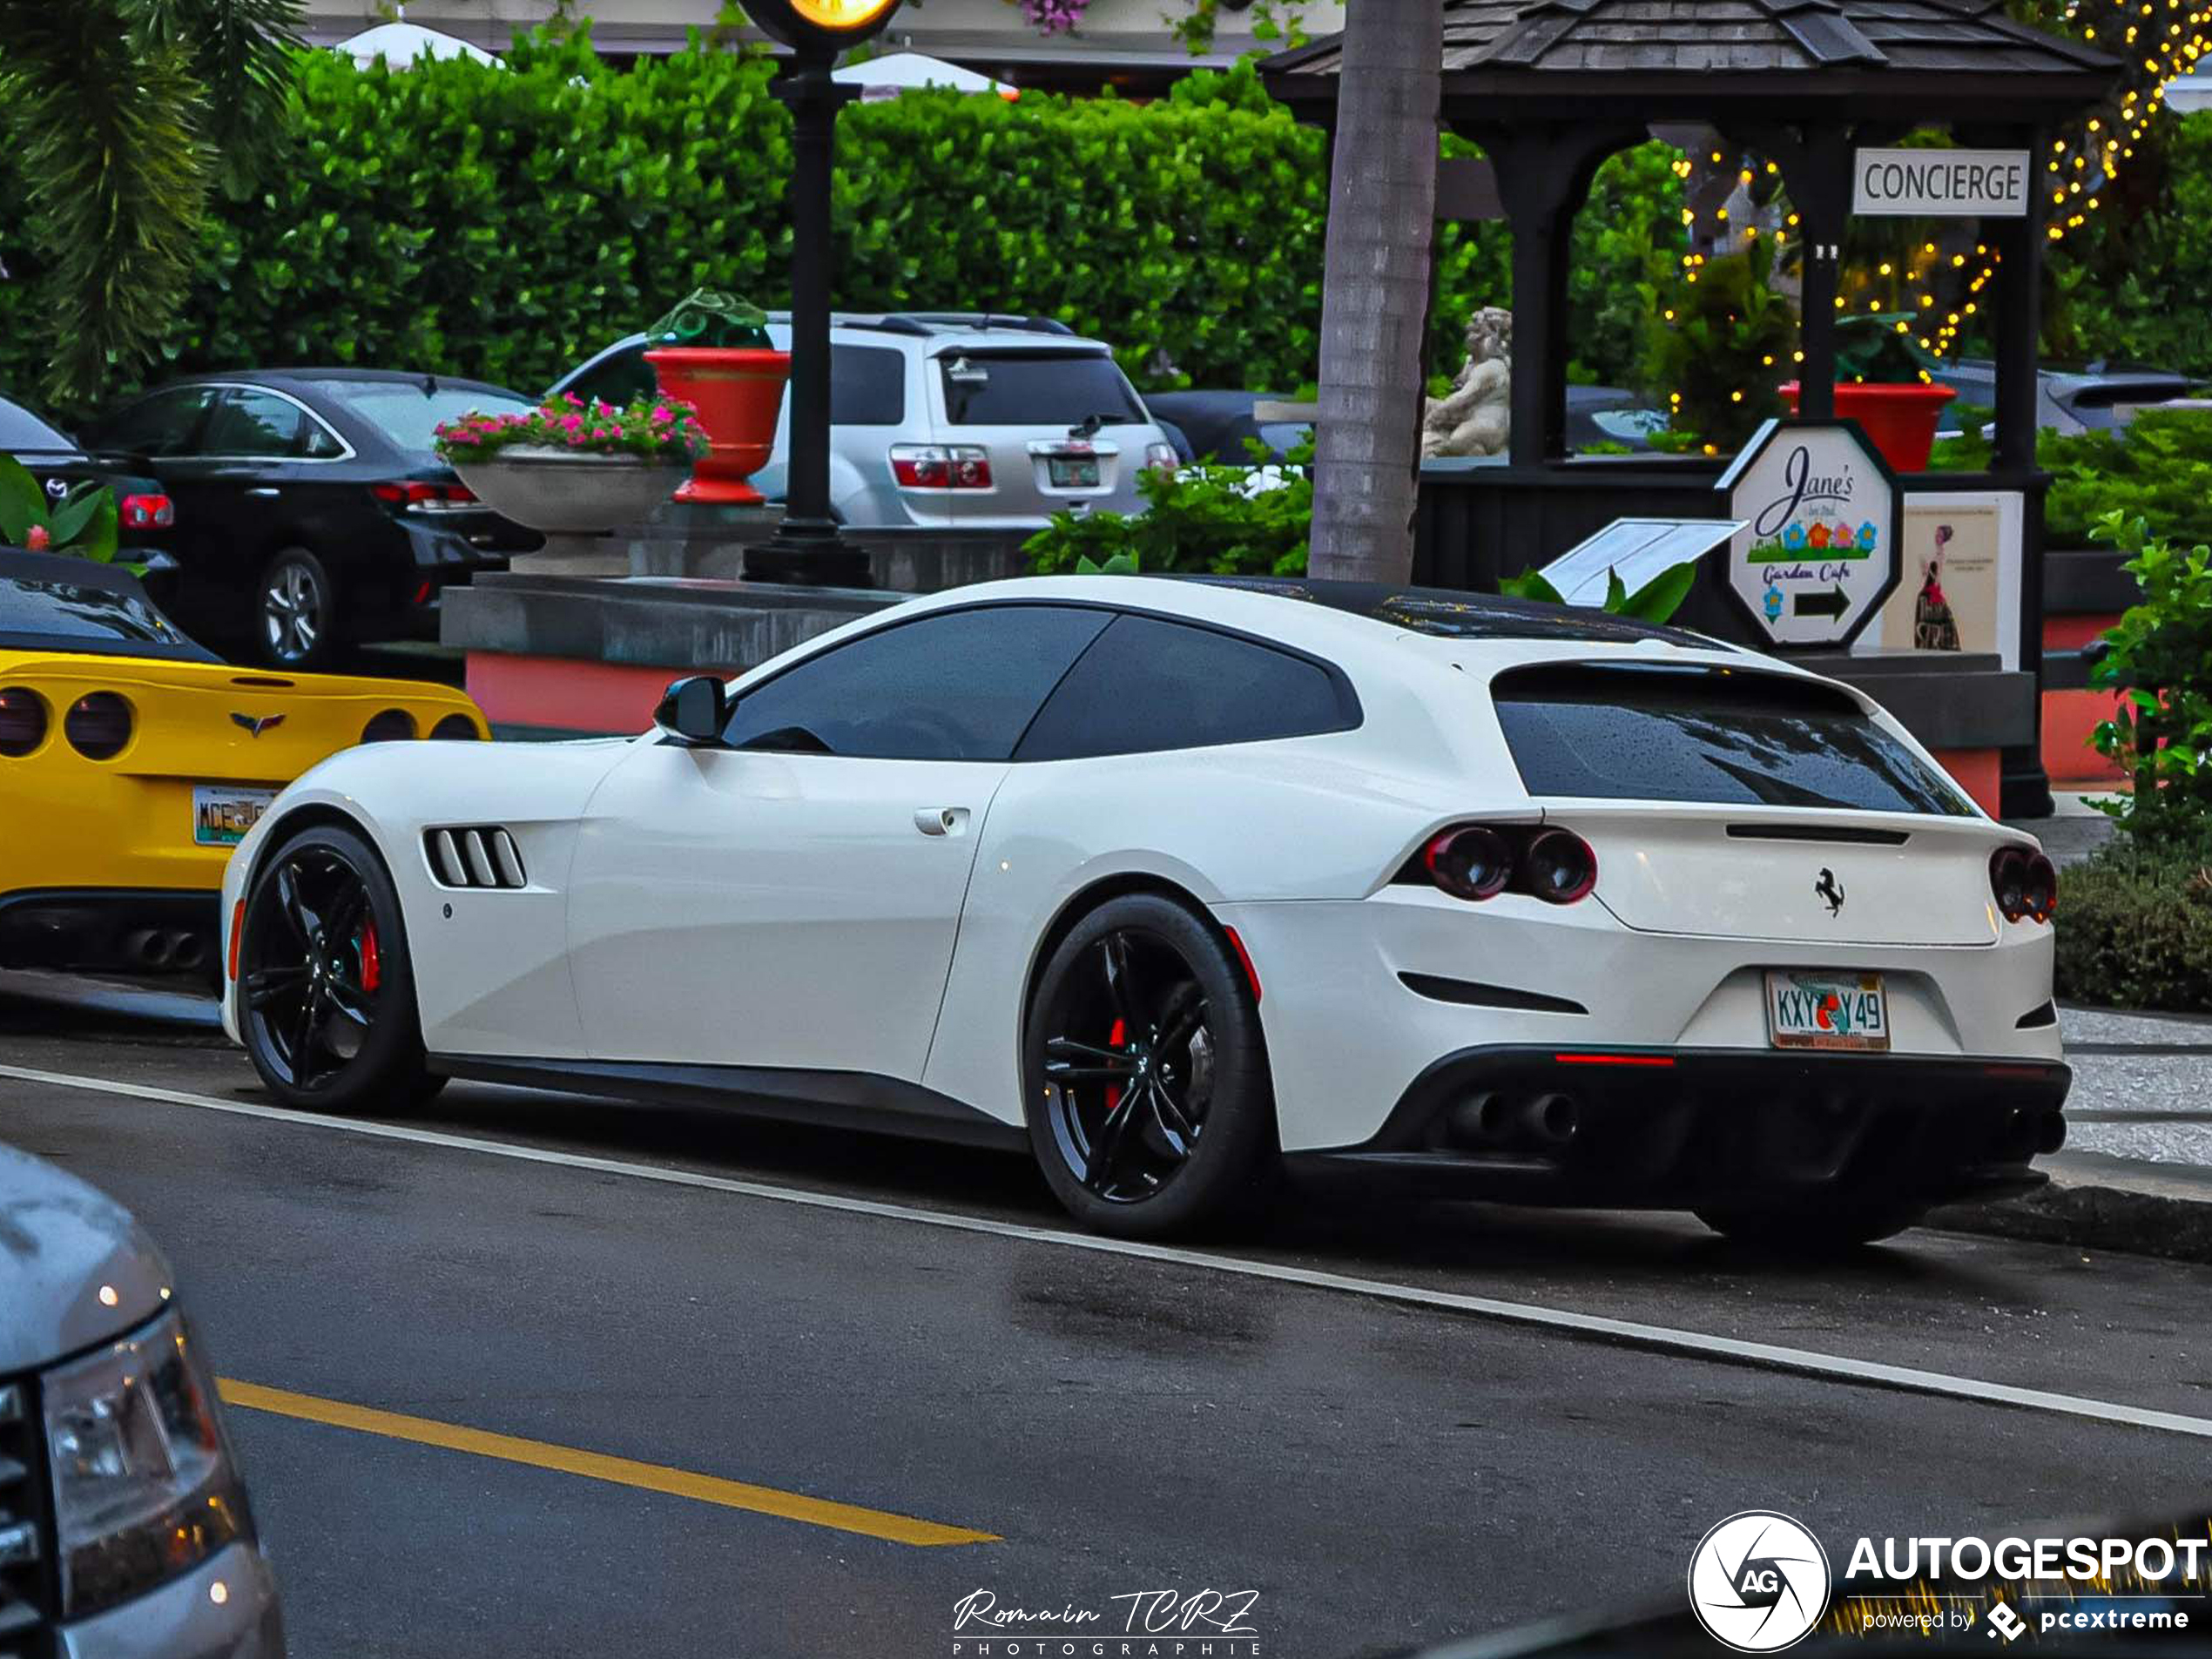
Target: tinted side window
pixel 161 425
pixel 1147 685
pixel 867 386
pixel 256 423
pixel 962 686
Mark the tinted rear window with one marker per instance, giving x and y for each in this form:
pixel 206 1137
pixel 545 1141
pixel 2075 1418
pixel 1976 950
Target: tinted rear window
pixel 1035 388
pixel 409 415
pixel 1147 685
pixel 1706 735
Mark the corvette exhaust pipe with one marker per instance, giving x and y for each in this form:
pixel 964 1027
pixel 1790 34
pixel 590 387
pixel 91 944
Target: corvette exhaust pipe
pixel 148 947
pixel 187 951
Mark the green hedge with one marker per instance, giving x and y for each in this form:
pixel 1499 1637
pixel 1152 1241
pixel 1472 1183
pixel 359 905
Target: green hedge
pixel 505 222
pixel 2134 927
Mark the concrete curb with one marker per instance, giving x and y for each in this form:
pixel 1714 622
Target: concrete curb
pixel 2107 1204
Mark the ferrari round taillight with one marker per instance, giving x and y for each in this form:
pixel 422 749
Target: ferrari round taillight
pixel 1559 867
pixel 2024 883
pixel 393 725
pixel 2008 881
pixel 98 725
pixel 1470 862
pixel 23 722
pixel 455 728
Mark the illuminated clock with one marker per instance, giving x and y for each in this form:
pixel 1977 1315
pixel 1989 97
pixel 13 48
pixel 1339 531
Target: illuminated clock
pixel 802 23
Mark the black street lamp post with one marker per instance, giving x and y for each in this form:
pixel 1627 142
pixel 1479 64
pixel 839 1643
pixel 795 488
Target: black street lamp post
pixel 808 546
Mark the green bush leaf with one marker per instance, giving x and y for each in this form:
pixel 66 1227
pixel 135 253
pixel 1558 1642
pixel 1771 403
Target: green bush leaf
pixel 23 503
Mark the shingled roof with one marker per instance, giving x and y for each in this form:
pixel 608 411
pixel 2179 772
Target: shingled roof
pixel 1942 51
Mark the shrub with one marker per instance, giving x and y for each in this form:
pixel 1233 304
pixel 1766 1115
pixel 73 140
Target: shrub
pixel 2134 927
pixel 1217 521
pixel 2160 654
pixel 1716 338
pixel 2158 470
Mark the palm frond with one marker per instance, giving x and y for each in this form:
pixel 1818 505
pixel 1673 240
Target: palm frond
pixel 241 52
pixel 103 116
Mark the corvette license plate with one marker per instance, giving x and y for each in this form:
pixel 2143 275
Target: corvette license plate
pixel 1811 1010
pixel 1072 472
pixel 221 815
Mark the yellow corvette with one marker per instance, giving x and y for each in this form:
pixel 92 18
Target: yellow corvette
pixel 132 761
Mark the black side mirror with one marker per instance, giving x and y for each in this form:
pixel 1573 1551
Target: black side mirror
pixel 694 711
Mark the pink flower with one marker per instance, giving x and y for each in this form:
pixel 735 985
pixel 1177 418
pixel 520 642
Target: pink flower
pixel 570 423
pixel 662 412
pixel 38 539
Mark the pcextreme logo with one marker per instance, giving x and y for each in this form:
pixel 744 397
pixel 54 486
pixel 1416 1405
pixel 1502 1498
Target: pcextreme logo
pixel 1758 1582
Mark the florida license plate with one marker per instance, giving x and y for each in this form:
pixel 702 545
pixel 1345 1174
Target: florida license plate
pixel 221 815
pixel 1809 1010
pixel 1072 472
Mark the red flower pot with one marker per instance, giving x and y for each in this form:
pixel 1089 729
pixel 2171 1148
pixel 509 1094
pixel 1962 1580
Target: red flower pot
pixel 739 392
pixel 1901 419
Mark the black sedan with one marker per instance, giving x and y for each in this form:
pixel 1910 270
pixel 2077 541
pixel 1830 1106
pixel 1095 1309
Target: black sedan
pixel 145 515
pixel 311 511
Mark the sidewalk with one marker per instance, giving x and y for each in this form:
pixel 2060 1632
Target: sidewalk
pixel 2136 1173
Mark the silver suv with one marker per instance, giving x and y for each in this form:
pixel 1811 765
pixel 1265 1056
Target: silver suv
pixel 123 1525
pixel 951 419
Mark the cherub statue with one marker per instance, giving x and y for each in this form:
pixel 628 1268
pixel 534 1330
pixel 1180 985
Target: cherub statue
pixel 1476 418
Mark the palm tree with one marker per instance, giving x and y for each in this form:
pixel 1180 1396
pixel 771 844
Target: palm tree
pixel 1375 291
pixel 122 116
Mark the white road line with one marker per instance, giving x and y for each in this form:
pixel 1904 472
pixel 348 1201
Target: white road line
pixel 1630 1332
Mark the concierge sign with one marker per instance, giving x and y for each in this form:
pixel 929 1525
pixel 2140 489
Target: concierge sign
pixel 1818 553
pixel 1940 183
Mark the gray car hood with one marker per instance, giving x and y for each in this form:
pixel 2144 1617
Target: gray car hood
pixel 76 1268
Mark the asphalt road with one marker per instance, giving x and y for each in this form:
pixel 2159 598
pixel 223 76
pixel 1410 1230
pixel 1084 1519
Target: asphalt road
pixel 1394 1424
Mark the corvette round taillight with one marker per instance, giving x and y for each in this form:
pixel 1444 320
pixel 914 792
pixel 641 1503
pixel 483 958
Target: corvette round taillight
pixel 1470 862
pixel 455 728
pixel 1559 867
pixel 393 725
pixel 98 725
pixel 23 721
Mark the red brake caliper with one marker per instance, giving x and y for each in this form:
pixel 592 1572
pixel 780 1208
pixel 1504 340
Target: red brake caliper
pixel 372 964
pixel 1115 1038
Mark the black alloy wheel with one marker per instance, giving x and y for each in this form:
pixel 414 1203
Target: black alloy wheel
pixel 1151 1109
pixel 326 995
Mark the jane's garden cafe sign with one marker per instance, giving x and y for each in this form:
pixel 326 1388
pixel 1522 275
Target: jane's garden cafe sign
pixel 1820 508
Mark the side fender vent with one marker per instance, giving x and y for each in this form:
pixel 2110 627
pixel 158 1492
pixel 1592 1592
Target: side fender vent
pixel 479 856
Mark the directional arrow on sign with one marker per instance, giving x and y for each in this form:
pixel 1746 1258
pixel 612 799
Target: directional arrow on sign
pixel 1833 603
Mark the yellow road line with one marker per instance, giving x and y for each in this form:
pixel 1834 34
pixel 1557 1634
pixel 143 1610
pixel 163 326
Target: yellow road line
pixel 597 1466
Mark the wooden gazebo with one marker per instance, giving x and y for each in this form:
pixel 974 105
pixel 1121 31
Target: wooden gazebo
pixel 1550 88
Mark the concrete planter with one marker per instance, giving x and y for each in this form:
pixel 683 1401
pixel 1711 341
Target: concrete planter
pixel 560 492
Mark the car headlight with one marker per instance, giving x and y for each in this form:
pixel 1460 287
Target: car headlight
pixel 145 1486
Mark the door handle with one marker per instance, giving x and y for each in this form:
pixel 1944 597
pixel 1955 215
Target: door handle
pixel 264 489
pixel 941 821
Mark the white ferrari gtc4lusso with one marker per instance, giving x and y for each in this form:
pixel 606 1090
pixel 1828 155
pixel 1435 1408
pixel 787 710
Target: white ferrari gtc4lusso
pixel 1184 884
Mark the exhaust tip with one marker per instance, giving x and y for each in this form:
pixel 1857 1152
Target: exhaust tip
pixel 2051 1131
pixel 187 951
pixel 147 947
pixel 1481 1119
pixel 1553 1118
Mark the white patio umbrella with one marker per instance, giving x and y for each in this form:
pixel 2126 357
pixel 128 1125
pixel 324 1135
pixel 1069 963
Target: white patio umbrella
pixel 896 72
pixel 401 45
